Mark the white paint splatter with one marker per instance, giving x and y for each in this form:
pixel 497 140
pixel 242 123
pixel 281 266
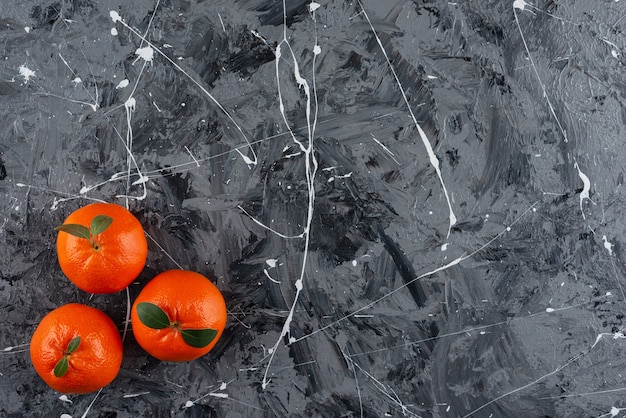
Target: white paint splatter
pixel 267 274
pixel 64 398
pixel 607 245
pixel 192 156
pixel 519 4
pixel 26 72
pixel 27 29
pixel 135 395
pixel 248 160
pixel 115 16
pixel 146 53
pixel 113 32
pixel 313 6
pixel 432 157
pixel 613 45
pixel 122 84
pixel 311 166
pixel 130 104
pixel 222 22
pixel 444 247
pixel 141 180
pixel 586 187
pixel 384 147
pixel 272 262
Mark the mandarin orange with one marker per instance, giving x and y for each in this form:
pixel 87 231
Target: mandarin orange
pixel 76 349
pixel 101 247
pixel 178 316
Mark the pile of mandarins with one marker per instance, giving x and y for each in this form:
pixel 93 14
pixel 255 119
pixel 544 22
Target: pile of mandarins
pixel 178 316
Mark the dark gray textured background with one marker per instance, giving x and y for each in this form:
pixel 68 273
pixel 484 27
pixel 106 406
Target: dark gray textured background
pixel 517 312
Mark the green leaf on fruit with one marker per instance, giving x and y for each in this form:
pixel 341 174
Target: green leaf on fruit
pixel 79 231
pixel 198 338
pixel 63 364
pixel 99 224
pixel 73 345
pixel 152 316
pixel 61 367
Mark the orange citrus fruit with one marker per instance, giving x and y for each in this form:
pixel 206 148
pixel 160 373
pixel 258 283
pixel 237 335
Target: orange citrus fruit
pixel 101 247
pixel 76 349
pixel 178 316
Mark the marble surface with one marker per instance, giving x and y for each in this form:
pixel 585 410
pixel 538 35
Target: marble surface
pixel 413 208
